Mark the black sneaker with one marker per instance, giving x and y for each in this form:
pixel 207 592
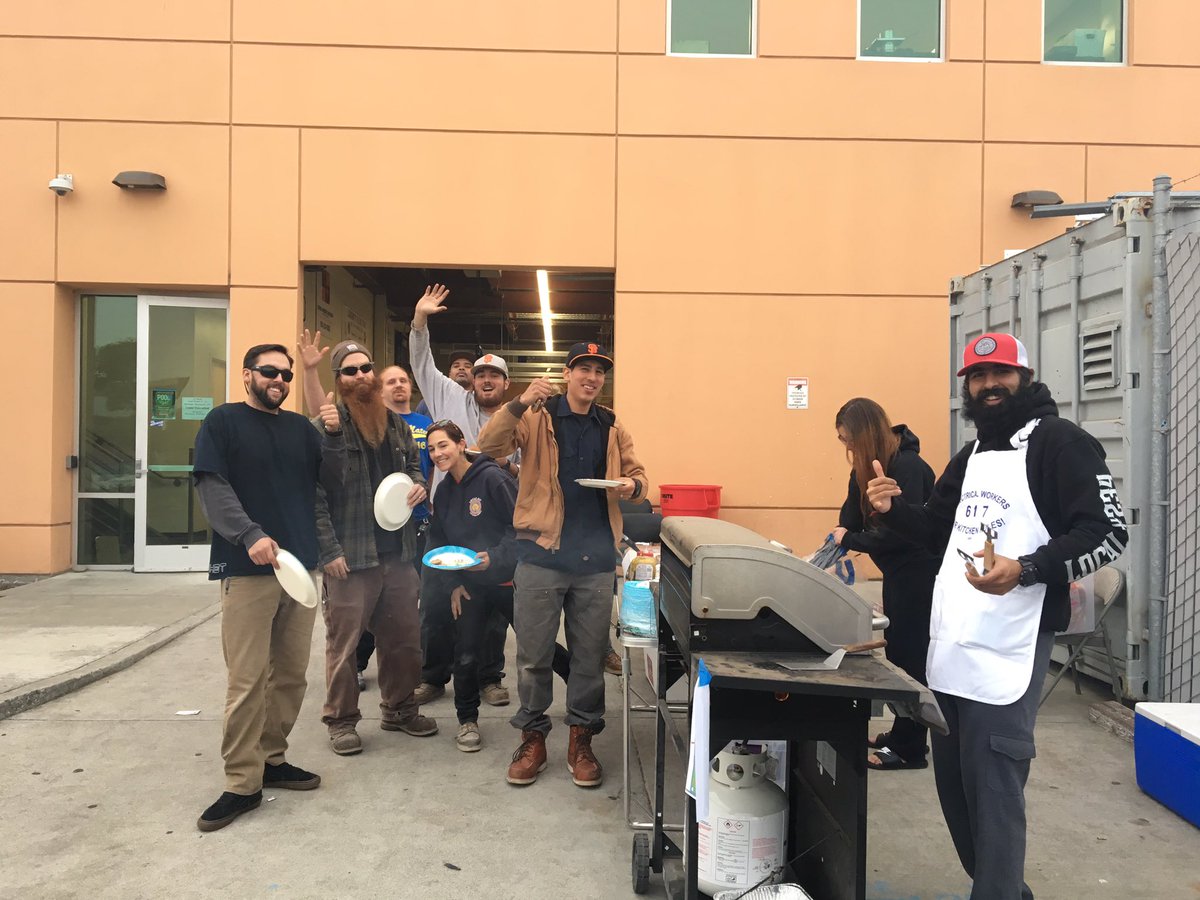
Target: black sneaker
pixel 289 777
pixel 227 808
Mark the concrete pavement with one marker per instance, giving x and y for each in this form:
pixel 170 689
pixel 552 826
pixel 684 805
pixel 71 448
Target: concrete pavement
pixel 59 634
pixel 103 787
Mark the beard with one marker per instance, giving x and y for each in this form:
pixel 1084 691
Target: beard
pixel 262 393
pixel 489 402
pixel 364 401
pixel 1005 417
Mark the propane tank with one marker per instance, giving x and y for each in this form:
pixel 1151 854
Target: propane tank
pixel 744 839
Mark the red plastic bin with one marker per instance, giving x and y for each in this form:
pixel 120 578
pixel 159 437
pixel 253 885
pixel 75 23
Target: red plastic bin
pixel 690 500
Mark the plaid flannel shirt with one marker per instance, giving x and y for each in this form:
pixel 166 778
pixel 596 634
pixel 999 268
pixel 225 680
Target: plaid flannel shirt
pixel 346 518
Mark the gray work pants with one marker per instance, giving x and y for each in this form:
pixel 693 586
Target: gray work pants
pixel 542 597
pixel 981 768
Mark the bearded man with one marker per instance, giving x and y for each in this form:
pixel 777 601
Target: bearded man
pixel 369 579
pixel 1029 508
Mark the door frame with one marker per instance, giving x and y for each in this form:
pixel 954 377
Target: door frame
pixel 168 558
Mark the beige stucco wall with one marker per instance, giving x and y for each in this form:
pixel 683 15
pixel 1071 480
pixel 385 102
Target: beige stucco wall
pixel 795 214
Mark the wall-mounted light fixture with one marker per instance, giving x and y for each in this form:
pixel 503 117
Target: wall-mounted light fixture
pixel 140 181
pixel 1030 199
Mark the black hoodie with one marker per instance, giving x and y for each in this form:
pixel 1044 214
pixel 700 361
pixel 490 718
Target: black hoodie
pixel 888 549
pixel 477 512
pixel 1072 490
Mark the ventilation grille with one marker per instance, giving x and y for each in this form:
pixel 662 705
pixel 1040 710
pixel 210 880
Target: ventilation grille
pixel 1100 370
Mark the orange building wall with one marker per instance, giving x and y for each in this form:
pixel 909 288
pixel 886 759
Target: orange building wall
pixel 798 214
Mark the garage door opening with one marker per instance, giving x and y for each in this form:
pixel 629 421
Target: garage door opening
pixel 505 312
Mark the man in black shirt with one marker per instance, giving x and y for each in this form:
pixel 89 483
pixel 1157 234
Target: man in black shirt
pixel 369 576
pixel 256 470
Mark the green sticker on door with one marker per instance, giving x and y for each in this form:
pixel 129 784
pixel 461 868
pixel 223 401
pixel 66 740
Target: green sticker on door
pixel 196 408
pixel 162 404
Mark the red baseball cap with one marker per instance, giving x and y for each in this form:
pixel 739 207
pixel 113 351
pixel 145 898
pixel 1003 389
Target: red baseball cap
pixel 999 349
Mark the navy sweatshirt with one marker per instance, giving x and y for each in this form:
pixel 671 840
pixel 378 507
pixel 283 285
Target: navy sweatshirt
pixel 477 512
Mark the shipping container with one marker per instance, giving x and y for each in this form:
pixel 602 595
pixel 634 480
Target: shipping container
pixel 1082 303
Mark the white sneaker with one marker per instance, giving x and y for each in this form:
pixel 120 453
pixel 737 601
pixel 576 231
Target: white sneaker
pixel 468 739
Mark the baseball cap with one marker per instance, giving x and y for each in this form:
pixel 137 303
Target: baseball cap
pixel 460 354
pixel 580 352
pixel 1000 349
pixel 490 361
pixel 344 349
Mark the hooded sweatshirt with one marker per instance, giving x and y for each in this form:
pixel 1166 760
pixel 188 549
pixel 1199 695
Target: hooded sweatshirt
pixel 888 549
pixel 477 512
pixel 1072 490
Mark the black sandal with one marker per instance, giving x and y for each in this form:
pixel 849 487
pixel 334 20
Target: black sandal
pixel 880 740
pixel 890 759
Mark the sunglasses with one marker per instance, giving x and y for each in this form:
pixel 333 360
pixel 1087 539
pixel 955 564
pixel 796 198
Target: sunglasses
pixel 272 372
pixel 351 371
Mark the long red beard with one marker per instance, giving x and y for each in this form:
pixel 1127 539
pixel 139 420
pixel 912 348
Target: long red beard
pixel 365 405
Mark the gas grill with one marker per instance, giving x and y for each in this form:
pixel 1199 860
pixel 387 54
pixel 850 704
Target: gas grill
pixel 750 609
pixel 724 587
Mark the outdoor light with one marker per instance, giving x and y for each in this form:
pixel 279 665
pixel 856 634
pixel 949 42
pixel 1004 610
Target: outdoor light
pixel 1030 199
pixel 142 181
pixel 543 281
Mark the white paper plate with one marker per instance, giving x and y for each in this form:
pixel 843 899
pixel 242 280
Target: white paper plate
pixel 597 482
pixel 294 579
pixel 450 558
pixel 391 501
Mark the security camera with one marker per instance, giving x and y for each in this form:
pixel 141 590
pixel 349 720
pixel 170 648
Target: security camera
pixel 62 184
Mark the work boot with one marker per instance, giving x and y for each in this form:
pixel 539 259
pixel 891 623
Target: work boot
pixel 345 742
pixel 227 808
pixel 468 739
pixel 410 722
pixel 494 694
pixel 581 761
pixel 427 693
pixel 529 760
pixel 612 662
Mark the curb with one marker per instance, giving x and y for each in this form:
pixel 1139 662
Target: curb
pixel 28 696
pixel 1113 717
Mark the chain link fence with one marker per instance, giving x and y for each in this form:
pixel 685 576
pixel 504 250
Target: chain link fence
pixel 1182 626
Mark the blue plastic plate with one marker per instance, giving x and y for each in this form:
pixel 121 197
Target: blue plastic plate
pixel 450 559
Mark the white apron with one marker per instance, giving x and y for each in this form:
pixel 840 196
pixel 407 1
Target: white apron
pixel 981 646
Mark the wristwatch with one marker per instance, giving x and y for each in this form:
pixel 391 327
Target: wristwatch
pixel 1029 571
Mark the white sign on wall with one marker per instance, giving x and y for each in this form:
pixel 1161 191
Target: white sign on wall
pixel 797 393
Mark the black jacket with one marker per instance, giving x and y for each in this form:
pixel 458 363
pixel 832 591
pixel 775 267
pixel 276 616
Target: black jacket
pixel 1072 490
pixel 888 549
pixel 476 512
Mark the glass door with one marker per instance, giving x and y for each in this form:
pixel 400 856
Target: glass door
pixel 182 373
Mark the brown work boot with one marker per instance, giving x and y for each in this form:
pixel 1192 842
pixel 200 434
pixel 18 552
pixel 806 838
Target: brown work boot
pixel 581 761
pixel 408 721
pixel 612 662
pixel 529 760
pixel 427 693
pixel 345 741
pixel 494 694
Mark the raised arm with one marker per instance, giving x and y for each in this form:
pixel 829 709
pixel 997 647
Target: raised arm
pixel 310 354
pixel 435 387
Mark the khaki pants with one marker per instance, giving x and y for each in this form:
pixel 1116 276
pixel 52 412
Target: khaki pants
pixel 383 600
pixel 266 637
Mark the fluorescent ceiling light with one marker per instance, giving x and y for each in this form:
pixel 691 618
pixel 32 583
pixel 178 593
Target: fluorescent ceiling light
pixel 543 282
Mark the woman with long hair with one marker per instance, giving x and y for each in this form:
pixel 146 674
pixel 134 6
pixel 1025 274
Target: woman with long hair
pixel 473 508
pixel 908 570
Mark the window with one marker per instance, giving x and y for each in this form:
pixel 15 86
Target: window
pixel 900 29
pixel 1084 31
pixel 711 27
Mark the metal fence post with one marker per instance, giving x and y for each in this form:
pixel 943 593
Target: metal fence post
pixel 1159 406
